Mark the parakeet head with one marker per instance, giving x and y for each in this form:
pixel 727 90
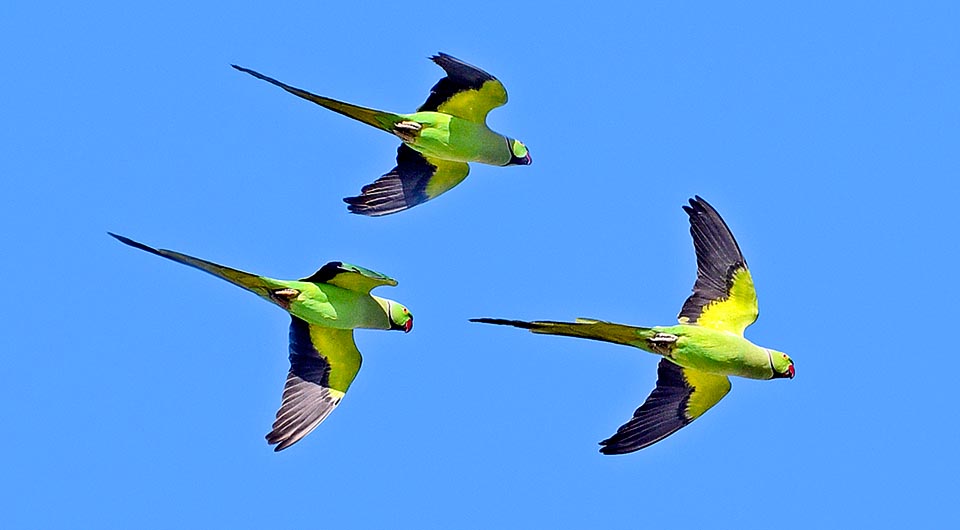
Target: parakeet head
pixel 400 317
pixel 520 156
pixel 781 363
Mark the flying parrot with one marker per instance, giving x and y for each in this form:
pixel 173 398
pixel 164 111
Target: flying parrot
pixel 324 309
pixel 445 133
pixel 698 354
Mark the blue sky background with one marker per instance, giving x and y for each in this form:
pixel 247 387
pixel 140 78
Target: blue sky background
pixel 135 392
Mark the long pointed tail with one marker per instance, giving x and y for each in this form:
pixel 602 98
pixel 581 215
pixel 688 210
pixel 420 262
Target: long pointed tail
pixel 251 282
pixel 377 118
pixel 583 328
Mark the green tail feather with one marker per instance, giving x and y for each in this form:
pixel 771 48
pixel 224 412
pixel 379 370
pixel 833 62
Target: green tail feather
pixel 377 118
pixel 582 328
pixel 251 282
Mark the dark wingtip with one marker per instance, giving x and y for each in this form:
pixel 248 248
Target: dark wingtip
pixel 358 205
pixel 355 205
pixel 354 201
pixel 460 71
pixel 612 447
pixel 609 450
pixel 698 204
pixel 276 440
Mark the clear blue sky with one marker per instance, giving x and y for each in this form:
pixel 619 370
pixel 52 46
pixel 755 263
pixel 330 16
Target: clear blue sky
pixel 135 392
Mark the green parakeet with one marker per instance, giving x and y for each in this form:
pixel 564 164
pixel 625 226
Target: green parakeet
pixel 325 308
pixel 445 133
pixel 698 354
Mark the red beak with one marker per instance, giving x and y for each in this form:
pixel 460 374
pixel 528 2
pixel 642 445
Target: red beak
pixel 409 325
pixel 790 371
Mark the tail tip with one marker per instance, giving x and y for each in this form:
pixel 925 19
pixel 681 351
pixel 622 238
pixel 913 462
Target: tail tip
pixel 504 322
pixel 122 239
pixel 134 244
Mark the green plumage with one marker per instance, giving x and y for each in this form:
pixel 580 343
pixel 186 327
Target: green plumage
pixel 325 308
pixel 698 354
pixel 441 137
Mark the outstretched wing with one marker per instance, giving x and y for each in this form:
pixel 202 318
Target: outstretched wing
pixel 347 276
pixel 416 179
pixel 681 396
pixel 723 296
pixel 466 92
pixel 323 363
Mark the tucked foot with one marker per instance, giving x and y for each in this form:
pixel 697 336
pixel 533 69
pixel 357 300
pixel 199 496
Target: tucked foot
pixel 662 343
pixel 408 131
pixel 284 297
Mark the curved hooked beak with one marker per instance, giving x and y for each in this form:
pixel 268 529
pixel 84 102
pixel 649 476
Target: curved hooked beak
pixel 527 160
pixel 790 371
pixel 409 325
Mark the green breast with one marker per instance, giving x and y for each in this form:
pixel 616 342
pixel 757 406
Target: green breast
pixel 452 138
pixel 335 307
pixel 719 352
